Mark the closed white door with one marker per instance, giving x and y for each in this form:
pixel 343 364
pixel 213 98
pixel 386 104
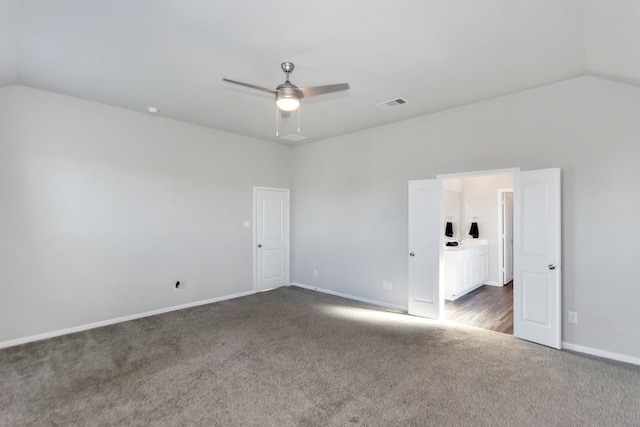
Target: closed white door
pixel 271 239
pixel 536 290
pixel 424 250
pixel 507 232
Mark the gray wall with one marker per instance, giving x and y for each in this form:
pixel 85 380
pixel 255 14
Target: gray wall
pixel 350 196
pixel 103 209
pixel 9 20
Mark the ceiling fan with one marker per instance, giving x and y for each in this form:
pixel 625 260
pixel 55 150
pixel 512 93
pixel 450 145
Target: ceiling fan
pixel 288 95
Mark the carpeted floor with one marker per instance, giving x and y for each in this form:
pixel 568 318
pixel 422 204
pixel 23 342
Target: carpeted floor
pixel 297 357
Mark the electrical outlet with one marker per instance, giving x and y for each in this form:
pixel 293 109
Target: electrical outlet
pixel 573 317
pixel 384 285
pixel 389 286
pixel 315 273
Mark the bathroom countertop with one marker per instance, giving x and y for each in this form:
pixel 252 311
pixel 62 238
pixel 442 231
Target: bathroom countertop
pixel 466 245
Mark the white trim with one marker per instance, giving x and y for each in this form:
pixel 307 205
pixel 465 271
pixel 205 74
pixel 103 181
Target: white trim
pixel 108 322
pixel 601 353
pixel 492 283
pixel 348 296
pixel 254 233
pixel 565 345
pixel 473 174
pixel 501 267
pixel 259 187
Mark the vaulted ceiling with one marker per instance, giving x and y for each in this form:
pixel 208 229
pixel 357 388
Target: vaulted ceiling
pixel 436 54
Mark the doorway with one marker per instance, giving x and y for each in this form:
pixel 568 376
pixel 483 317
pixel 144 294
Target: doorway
pixel 474 253
pixel 537 251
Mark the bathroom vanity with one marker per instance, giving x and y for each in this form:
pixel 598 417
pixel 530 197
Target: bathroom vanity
pixel 466 267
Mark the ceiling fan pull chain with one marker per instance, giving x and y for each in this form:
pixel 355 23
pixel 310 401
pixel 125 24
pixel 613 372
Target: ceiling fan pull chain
pixel 277 121
pixel 299 111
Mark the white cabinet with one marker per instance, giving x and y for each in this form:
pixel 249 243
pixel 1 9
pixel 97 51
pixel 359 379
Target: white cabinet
pixel 465 268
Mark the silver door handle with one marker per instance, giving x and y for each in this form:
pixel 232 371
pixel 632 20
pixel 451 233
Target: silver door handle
pixel 259 245
pixel 551 267
pixel 412 254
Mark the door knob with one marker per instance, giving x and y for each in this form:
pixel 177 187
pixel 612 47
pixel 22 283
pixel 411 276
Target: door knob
pixel 412 254
pixel 551 267
pixel 259 245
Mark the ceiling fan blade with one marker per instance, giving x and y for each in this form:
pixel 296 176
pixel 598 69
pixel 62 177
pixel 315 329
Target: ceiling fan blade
pixel 264 89
pixel 321 90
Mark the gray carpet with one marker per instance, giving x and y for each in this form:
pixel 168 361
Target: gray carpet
pixel 296 357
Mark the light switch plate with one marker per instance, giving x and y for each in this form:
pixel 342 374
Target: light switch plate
pixel 247 224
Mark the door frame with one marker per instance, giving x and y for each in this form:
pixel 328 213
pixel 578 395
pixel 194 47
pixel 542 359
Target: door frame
pixel 517 174
pixel 440 184
pixel 501 265
pixel 254 233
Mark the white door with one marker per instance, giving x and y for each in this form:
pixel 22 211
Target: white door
pixel 536 290
pixel 507 237
pixel 424 249
pixel 271 239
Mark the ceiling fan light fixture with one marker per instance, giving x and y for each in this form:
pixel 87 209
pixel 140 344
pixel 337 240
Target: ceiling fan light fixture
pixel 287 97
pixel 288 103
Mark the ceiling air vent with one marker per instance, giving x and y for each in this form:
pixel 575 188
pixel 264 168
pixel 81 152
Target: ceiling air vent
pixel 391 104
pixel 293 137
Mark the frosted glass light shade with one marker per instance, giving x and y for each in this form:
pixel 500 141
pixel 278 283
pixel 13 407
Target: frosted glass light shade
pixel 288 104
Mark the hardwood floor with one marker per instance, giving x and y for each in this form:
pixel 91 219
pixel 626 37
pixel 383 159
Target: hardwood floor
pixel 488 307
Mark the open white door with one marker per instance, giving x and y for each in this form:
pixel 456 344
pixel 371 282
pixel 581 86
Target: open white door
pixel 424 250
pixel 507 237
pixel 536 290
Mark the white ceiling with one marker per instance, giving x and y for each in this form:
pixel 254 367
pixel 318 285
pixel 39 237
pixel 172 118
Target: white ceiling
pixel 437 54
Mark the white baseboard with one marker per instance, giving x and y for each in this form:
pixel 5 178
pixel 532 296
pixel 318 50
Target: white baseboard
pixel 601 353
pixel 353 297
pixel 565 345
pixel 88 326
pixel 52 334
pixel 492 283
